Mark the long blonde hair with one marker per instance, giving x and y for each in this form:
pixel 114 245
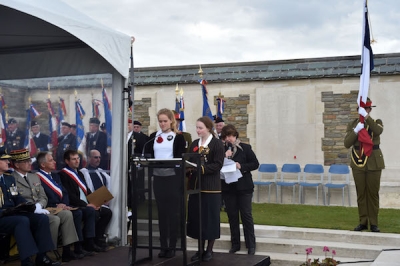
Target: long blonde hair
pixel 170 115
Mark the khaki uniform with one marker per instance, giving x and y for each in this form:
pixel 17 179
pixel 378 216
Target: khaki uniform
pixel 366 170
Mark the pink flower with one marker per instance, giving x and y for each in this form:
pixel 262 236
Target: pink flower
pixel 308 251
pixel 326 249
pixel 334 252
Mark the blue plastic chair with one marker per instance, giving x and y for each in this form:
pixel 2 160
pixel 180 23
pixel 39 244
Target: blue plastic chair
pixel 288 169
pixel 265 168
pixel 312 170
pixel 338 170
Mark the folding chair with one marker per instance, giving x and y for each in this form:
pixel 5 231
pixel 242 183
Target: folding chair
pixel 338 171
pixel 312 170
pixel 265 168
pixel 288 169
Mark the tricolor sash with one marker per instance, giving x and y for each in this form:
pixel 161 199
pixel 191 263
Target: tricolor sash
pixel 44 177
pixel 76 178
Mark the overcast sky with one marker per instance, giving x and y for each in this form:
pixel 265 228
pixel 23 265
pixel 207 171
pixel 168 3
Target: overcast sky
pixel 187 32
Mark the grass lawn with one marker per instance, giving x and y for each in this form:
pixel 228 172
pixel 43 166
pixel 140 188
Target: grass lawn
pixel 308 216
pixel 326 217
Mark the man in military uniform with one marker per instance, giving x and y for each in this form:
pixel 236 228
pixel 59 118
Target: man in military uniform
pixel 366 169
pixel 65 142
pixel 136 142
pixel 97 140
pixel 219 124
pixel 33 236
pixel 30 187
pixel 41 140
pixel 15 138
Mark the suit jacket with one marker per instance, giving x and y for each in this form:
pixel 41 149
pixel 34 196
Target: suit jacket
pixel 73 189
pixel 211 165
pixel 64 143
pixel 52 197
pixel 373 162
pixel 31 189
pixel 98 142
pixel 15 141
pixel 41 142
pixel 248 162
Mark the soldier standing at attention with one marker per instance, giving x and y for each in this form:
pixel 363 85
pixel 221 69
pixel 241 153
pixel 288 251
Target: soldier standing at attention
pixel 97 140
pixel 366 169
pixel 15 138
pixel 41 140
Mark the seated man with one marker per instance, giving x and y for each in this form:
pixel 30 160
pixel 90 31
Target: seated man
pixel 58 197
pixel 95 178
pixel 31 230
pixel 74 182
pixel 29 187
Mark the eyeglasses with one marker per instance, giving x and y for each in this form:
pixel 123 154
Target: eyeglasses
pixel 97 157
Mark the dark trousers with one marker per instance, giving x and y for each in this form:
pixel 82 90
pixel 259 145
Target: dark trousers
pixel 89 221
pixel 77 214
pixel 31 232
pixel 103 217
pixel 367 187
pixel 168 193
pixel 236 203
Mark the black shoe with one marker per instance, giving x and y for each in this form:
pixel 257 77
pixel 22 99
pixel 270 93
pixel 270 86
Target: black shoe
pixel 375 229
pixel 251 251
pixel 163 253
pixel 86 253
pixel 46 261
pixel 72 256
pixel 170 253
pixel 98 249
pixel 234 250
pixel 207 256
pixel 196 256
pixel 361 227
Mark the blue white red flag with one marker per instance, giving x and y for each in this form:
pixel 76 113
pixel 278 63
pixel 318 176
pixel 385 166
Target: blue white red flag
pixel 107 116
pixel 367 65
pixel 80 131
pixel 62 111
pixel 34 112
pixel 53 123
pixel 206 107
pixel 96 108
pixel 220 106
pixel 29 143
pixel 367 60
pixel 3 122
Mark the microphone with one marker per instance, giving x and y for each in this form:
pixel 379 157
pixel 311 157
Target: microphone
pixel 152 139
pixel 229 149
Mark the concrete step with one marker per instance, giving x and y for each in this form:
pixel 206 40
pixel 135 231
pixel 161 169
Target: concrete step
pixel 286 245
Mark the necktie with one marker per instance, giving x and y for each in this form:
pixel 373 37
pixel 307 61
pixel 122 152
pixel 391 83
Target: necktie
pixel 2 179
pixel 25 179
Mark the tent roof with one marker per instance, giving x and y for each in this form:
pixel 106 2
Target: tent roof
pixel 38 30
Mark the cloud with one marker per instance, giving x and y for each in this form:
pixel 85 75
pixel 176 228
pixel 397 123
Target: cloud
pixel 179 32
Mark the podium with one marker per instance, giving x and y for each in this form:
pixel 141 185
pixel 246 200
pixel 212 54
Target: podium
pixel 142 210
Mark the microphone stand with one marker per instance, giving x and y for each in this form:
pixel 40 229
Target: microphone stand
pixel 152 139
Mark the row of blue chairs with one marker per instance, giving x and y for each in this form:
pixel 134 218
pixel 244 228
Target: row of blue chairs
pixel 335 171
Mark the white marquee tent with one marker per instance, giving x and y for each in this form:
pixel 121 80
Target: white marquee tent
pixel 48 38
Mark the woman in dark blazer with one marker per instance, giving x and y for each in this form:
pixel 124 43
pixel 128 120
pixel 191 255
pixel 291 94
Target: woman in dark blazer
pixel 238 195
pixel 211 153
pixel 167 185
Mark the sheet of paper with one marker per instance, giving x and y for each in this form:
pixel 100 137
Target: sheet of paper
pixel 100 196
pixel 231 177
pixel 229 166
